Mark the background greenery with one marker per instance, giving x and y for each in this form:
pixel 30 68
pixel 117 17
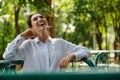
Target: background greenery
pixel 91 23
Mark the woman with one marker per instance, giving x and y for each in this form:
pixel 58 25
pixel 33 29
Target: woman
pixel 40 52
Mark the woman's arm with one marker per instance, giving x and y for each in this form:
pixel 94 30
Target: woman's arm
pixel 73 52
pixel 13 50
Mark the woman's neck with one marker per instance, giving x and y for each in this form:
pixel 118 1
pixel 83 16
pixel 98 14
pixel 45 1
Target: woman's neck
pixel 43 36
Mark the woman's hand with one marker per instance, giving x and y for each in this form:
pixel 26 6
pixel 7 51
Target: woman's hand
pixel 29 33
pixel 65 61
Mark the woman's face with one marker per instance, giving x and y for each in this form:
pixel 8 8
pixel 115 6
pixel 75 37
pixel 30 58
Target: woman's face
pixel 39 23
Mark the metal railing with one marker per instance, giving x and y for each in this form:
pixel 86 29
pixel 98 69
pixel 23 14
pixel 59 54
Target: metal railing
pixel 8 67
pixel 104 62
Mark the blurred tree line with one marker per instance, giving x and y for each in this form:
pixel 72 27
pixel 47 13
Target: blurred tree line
pixel 91 23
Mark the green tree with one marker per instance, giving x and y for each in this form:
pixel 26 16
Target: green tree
pixel 17 10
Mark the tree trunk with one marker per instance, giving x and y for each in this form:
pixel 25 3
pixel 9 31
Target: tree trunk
pixel 50 19
pixel 98 36
pixel 65 32
pixel 116 26
pixel 17 27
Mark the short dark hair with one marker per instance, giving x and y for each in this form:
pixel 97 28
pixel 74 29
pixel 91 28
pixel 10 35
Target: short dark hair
pixel 29 21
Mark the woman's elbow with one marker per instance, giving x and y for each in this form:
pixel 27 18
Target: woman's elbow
pixel 7 56
pixel 4 56
pixel 88 53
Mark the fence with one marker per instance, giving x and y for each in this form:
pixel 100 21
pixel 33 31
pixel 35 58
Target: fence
pixel 105 60
pixel 100 64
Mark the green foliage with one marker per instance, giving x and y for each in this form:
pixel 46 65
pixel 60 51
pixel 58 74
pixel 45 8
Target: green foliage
pixel 84 15
pixel 63 16
pixel 7 17
pixel 6 34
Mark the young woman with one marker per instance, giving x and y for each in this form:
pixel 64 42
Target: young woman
pixel 40 52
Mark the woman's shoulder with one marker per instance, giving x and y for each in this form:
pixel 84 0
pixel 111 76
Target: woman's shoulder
pixel 58 40
pixel 28 41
